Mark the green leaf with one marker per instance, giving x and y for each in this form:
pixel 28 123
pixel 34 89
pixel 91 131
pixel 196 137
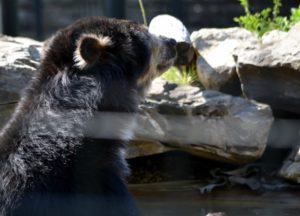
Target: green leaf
pixel 181 77
pixel 268 19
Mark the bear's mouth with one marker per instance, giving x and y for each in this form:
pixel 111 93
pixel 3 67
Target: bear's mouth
pixel 168 54
pixel 164 55
pixel 165 66
pixel 168 57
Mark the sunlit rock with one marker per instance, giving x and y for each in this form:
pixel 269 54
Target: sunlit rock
pixel 270 72
pixel 215 64
pixel 19 58
pixel 291 167
pixel 205 123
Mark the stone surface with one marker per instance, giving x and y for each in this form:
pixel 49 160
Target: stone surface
pixel 168 26
pixel 215 64
pixel 140 148
pixel 291 167
pixel 19 59
pixel 270 72
pixel 205 123
pixel 272 37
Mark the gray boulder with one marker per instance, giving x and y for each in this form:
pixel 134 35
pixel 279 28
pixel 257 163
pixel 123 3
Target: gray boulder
pixel 272 37
pixel 216 65
pixel 270 71
pixel 141 148
pixel 19 59
pixel 291 167
pixel 205 123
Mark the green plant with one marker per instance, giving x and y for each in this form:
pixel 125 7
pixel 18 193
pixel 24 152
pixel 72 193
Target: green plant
pixel 143 12
pixel 268 19
pixel 184 76
pixel 245 4
pixel 295 15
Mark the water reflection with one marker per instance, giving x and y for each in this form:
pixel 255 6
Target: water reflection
pixel 182 199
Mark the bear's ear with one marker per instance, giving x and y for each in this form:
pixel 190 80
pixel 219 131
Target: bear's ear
pixel 89 48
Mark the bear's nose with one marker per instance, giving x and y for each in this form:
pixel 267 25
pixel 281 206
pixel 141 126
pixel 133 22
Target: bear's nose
pixel 171 42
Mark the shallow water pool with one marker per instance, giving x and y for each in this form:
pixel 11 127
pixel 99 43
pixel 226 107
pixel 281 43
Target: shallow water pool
pixel 183 198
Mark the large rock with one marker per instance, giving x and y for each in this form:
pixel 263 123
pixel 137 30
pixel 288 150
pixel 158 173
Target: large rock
pixel 140 148
pixel 270 72
pixel 205 123
pixel 216 65
pixel 291 167
pixel 19 59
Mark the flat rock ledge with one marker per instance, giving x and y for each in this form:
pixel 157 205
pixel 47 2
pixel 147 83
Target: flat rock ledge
pixel 19 59
pixel 205 123
pixel 291 167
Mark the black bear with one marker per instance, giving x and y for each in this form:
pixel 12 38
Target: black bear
pixel 62 152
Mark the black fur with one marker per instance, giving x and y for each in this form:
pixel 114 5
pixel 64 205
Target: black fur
pixel 48 165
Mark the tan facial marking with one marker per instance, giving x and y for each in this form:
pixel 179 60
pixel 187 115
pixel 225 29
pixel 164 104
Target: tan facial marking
pixel 158 46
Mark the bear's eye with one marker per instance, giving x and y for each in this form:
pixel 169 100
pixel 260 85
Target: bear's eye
pixel 89 48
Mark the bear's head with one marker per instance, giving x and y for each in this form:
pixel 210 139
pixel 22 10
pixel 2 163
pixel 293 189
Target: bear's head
pixel 113 48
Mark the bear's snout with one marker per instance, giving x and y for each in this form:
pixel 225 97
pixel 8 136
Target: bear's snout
pixel 171 42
